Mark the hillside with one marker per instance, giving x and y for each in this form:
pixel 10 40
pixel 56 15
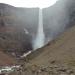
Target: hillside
pixel 56 58
pixel 13 37
pixel 6 60
pixel 61 50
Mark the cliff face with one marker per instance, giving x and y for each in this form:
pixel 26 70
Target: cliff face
pixel 16 29
pixel 20 17
pixel 59 17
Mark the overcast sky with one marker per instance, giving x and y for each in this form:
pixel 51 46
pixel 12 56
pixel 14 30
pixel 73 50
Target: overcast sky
pixel 30 3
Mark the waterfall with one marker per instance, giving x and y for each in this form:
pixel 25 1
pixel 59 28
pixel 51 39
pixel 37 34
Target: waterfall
pixel 40 36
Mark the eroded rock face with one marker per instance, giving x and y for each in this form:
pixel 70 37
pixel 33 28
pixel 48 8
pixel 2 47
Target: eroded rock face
pixel 14 40
pixel 59 17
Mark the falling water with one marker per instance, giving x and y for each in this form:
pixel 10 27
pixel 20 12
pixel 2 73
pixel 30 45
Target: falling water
pixel 40 37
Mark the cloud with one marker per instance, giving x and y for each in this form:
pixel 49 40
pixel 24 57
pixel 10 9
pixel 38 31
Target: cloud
pixel 30 3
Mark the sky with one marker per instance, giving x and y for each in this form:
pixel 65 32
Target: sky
pixel 30 3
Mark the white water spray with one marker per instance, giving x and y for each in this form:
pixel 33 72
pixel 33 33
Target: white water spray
pixel 40 37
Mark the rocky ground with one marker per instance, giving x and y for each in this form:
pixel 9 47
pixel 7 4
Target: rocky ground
pixel 56 58
pixel 52 69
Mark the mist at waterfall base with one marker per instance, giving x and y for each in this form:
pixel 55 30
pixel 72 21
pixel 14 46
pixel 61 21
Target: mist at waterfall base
pixel 40 36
